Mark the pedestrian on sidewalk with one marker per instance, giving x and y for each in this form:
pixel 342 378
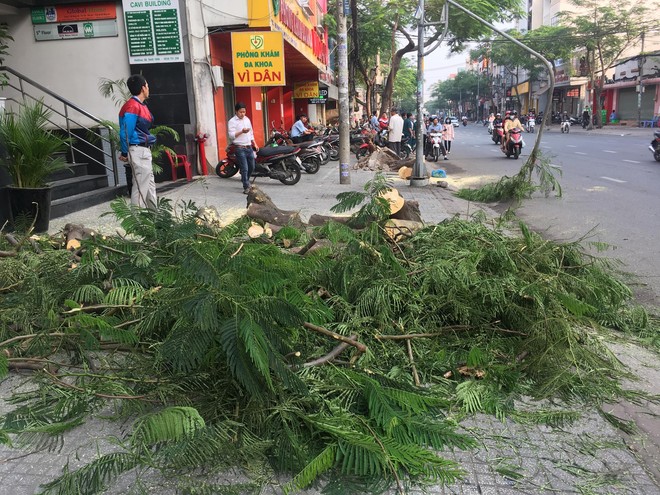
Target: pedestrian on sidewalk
pixel 448 134
pixel 240 130
pixel 135 121
pixel 409 130
pixel 395 131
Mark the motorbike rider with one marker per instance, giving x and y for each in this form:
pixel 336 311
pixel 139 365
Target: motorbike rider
pixel 510 123
pixel 300 132
pixel 435 126
pixel 656 139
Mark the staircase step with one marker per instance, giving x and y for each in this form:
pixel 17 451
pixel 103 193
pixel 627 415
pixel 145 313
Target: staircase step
pixel 75 170
pixel 76 185
pixel 64 206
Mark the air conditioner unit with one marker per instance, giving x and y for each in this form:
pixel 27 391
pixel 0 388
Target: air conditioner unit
pixel 320 29
pixel 217 76
pixel 304 4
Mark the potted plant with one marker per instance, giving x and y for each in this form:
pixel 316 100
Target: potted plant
pixel 31 154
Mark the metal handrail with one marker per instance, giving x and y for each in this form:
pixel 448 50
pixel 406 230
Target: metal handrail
pixel 112 155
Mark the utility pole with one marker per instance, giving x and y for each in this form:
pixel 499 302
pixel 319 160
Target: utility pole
pixel 640 88
pixel 343 9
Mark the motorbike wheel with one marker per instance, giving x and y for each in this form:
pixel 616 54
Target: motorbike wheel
pixel 656 155
pixel 404 153
pixel 312 165
pixel 436 154
pixel 225 169
pixel 362 152
pixel 292 171
pixel 325 156
pixel 334 154
pixel 562 129
pixel 516 153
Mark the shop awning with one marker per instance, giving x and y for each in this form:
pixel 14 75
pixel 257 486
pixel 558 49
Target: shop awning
pixel 539 92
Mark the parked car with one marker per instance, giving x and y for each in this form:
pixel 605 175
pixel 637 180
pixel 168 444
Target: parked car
pixel 454 121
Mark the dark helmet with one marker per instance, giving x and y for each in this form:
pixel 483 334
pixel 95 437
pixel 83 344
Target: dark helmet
pixel 656 133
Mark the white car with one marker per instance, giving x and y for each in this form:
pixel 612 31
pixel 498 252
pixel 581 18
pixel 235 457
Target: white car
pixel 454 121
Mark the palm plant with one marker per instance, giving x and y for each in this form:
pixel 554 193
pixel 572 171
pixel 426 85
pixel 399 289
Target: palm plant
pixel 32 151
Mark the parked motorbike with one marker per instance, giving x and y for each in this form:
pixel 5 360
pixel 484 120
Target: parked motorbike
pixel 498 133
pixel 406 148
pixel 655 146
pixel 530 125
pixel 437 147
pixel 275 162
pixel 311 155
pixel 514 146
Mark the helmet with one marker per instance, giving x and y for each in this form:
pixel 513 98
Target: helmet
pixel 515 112
pixel 506 114
pixel 656 133
pixel 498 115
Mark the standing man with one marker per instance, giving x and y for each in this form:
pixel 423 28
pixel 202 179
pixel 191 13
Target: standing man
pixel 135 120
pixel 240 130
pixel 374 121
pixel 395 128
pixel 300 132
pixel 409 130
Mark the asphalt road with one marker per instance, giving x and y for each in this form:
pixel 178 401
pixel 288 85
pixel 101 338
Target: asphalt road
pixel 611 192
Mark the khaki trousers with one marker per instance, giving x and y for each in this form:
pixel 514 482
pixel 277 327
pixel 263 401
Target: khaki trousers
pixel 144 185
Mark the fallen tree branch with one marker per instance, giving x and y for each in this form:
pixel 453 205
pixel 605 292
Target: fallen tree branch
pixel 412 363
pixel 437 334
pixel 330 356
pixel 8 254
pixel 358 345
pixel 104 396
pixel 307 246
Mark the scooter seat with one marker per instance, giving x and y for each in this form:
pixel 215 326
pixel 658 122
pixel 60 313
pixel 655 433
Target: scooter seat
pixel 275 150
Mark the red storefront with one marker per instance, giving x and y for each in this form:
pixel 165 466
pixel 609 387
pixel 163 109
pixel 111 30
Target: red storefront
pixel 270 100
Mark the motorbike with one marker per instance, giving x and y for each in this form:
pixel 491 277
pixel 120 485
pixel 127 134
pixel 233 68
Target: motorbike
pixel 311 155
pixel 437 147
pixel 406 148
pixel 565 126
pixel 490 127
pixel 514 146
pixel 498 133
pixel 530 125
pixel 331 145
pixel 655 146
pixel 275 162
pixel 465 120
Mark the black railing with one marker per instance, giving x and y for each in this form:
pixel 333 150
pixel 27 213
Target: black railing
pixel 71 113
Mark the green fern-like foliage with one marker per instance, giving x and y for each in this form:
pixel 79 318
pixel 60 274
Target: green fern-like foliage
pixel 197 336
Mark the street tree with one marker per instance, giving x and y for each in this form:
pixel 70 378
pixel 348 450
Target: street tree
pixel 393 23
pixel 607 30
pixel 452 93
pixel 554 42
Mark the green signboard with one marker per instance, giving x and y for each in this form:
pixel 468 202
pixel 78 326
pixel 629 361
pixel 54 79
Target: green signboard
pixel 153 31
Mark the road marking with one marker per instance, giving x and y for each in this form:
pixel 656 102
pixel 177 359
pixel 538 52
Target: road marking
pixel 609 151
pixel 571 146
pixel 555 166
pixel 631 161
pixel 580 153
pixel 614 180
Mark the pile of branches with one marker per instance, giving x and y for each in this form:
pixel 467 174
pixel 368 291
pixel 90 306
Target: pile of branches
pixel 352 362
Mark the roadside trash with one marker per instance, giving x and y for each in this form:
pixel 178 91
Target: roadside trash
pixel 439 173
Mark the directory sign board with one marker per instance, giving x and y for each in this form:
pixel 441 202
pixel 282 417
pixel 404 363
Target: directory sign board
pixel 153 31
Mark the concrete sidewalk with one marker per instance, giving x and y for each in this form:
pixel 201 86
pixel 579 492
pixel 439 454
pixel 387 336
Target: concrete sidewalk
pixel 589 457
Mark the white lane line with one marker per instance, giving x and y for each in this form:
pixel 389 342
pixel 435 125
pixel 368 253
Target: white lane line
pixel 609 151
pixel 571 146
pixel 631 161
pixel 580 153
pixel 614 180
pixel 555 166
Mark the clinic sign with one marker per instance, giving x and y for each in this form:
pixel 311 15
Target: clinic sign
pixel 307 89
pixel 258 58
pixel 153 31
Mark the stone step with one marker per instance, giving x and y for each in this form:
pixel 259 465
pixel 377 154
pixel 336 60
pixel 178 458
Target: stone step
pixel 77 185
pixel 75 170
pixel 66 205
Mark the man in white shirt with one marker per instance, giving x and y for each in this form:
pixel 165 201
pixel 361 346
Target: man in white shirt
pixel 242 135
pixel 395 129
